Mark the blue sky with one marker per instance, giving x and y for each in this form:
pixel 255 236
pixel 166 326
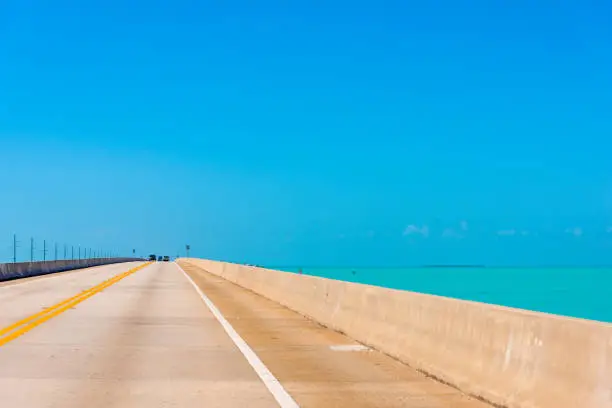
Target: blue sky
pixel 318 133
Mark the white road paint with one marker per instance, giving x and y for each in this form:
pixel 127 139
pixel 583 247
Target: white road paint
pixel 272 384
pixel 349 347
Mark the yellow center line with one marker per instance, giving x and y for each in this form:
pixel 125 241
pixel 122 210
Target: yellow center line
pixel 23 326
pixel 49 309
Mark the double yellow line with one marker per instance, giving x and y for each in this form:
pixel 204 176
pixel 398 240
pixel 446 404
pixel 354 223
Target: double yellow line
pixel 23 326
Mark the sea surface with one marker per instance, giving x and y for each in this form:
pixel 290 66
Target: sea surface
pixel 577 292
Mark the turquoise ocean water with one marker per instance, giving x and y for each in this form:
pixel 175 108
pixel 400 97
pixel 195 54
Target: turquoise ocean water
pixel 577 292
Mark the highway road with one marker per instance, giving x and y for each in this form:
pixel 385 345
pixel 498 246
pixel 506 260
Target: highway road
pixel 153 335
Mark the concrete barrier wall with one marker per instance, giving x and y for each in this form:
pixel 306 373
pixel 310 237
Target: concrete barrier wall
pixel 18 270
pixel 513 358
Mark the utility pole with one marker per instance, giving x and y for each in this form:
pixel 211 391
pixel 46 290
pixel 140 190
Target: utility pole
pixel 72 256
pixel 14 248
pixel 44 250
pixel 187 247
pixel 56 251
pixel 31 249
pixel 65 251
pixel 79 252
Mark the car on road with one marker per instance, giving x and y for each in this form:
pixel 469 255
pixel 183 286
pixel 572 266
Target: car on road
pixel 166 258
pixel 152 257
pixel 159 258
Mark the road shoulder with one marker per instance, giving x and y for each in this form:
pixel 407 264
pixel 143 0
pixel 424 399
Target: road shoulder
pixel 316 365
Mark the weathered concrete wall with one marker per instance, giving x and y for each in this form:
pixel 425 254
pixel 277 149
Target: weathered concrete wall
pixel 511 357
pixel 18 270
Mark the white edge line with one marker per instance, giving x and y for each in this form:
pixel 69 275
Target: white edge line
pixel 272 384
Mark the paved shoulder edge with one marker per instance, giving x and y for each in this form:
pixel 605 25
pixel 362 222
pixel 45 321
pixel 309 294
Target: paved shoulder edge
pixel 272 384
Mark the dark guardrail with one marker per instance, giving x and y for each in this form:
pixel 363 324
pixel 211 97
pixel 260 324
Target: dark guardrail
pixel 18 270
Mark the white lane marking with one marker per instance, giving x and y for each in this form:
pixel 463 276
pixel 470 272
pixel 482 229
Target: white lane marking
pixel 349 347
pixel 272 384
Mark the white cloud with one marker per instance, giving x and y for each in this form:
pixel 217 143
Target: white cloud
pixel 456 233
pixel 514 232
pixel 576 231
pixel 451 233
pixel 415 229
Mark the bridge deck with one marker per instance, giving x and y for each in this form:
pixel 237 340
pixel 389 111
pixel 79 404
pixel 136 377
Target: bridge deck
pixel 146 339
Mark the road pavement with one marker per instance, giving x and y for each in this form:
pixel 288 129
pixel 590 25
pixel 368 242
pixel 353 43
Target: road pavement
pixel 152 335
pixel 146 341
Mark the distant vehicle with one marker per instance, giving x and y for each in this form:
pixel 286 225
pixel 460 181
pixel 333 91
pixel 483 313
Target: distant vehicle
pixel 166 258
pixel 159 258
pixel 152 257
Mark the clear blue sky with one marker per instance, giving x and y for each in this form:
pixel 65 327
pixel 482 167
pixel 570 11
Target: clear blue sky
pixel 317 133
